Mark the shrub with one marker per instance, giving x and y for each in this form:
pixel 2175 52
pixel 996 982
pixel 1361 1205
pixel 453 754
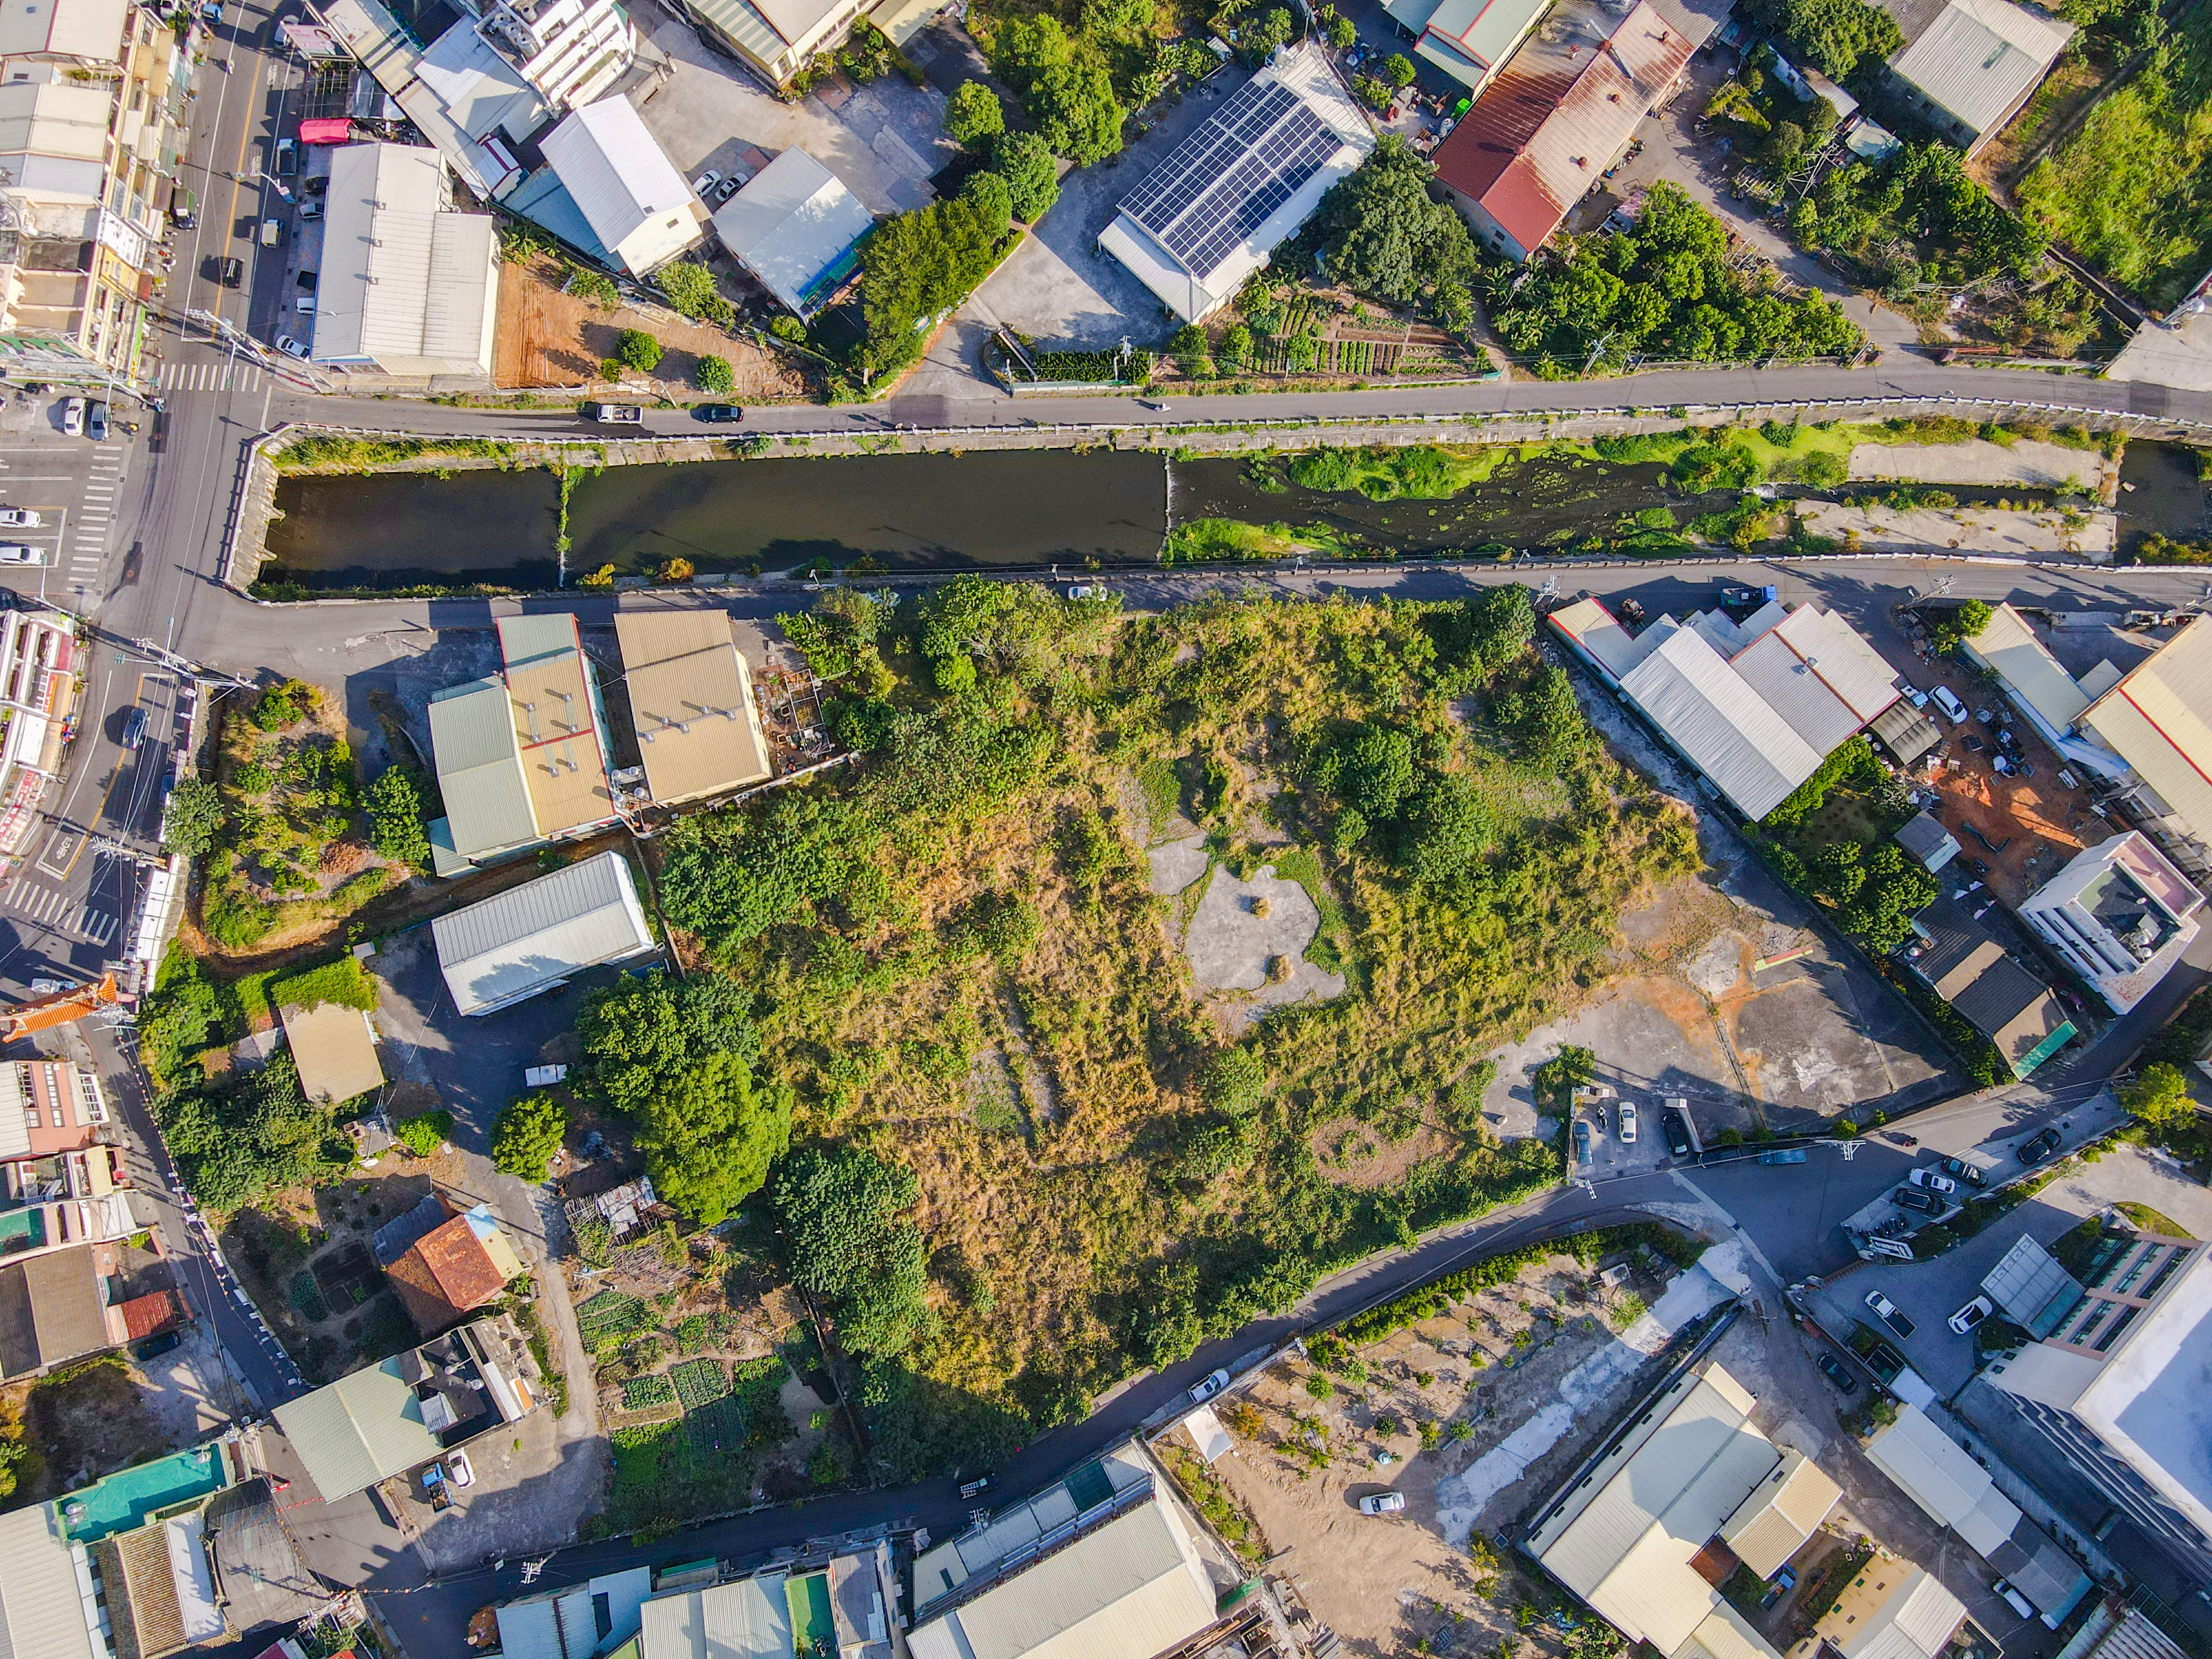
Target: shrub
pixel 673 571
pixel 715 375
pixel 423 1134
pixel 610 369
pixel 788 328
pixel 194 818
pixel 1398 70
pixel 528 1133
pixel 395 818
pixel 688 284
pixel 1025 162
pixel 639 349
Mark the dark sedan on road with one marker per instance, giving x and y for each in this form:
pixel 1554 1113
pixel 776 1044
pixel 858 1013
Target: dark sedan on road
pixel 2039 1147
pixel 1960 1170
pixel 722 413
pixel 1834 1369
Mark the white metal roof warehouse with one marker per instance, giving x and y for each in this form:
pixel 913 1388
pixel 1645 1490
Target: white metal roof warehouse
pixel 531 937
pixel 796 228
pixel 1205 219
pixel 405 284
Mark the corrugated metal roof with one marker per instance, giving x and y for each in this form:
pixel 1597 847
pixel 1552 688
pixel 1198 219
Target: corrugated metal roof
pixel 743 24
pixel 1127 1590
pixel 564 1624
pixel 2008 648
pixel 68 1309
pixel 691 702
pixel 1936 1472
pixel 335 1051
pixel 14 1127
pixel 42 1610
pixel 1785 1509
pixel 1846 664
pixel 1554 117
pixel 1628 1550
pixel 1485 30
pixel 747 1620
pixel 1905 732
pixel 1980 57
pixel 1725 1635
pixel 1924 837
pixel 528 937
pixel 791 225
pixel 472 741
pixel 2044 1573
pixel 2156 719
pixel 1794 690
pixel 617 173
pixel 1589 625
pixel 554 705
pixel 1915 1623
pixel 356 1431
pixel 1749 752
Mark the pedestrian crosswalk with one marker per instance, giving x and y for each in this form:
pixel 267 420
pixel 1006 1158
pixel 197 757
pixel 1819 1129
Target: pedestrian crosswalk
pixel 63 912
pixel 87 543
pixel 228 374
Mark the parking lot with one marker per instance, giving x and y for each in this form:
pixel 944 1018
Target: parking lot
pixel 71 483
pixel 1928 1292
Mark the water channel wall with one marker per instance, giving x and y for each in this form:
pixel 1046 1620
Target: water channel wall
pixel 254 497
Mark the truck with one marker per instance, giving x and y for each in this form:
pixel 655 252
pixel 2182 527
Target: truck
pixel 616 414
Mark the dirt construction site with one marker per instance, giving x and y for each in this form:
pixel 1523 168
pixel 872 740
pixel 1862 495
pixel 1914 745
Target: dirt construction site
pixel 549 338
pixel 2023 829
pixel 1439 1411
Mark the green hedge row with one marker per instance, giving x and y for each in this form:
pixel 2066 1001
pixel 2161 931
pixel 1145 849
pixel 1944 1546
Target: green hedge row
pixel 1587 1247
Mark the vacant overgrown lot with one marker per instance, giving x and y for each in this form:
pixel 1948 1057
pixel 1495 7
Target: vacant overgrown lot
pixel 1026 1156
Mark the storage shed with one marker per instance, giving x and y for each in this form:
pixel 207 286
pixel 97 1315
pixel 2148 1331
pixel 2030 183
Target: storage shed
pixel 532 938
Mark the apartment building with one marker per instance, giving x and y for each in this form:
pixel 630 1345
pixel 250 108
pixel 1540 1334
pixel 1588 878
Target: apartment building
pixel 2119 914
pixel 38 701
pixel 571 51
pixel 92 116
pixel 62 1178
pixel 2118 1383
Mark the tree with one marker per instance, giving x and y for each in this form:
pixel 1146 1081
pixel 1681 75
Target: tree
pixel 640 1034
pixel 715 375
pixel 1555 1081
pixel 1544 721
pixel 1342 32
pixel 974 116
pixel 1974 615
pixel 2158 1095
pixel 843 1210
pixel 194 818
pixel 395 818
pixel 527 1135
pixel 1025 162
pixel 920 265
pixel 639 349
pixel 1376 775
pixel 1386 235
pixel 1074 107
pixel 1837 37
pixel 1501 625
pixel 710 1135
pixel 688 284
pixel 1257 40
pixel 1398 70
pixel 1448 833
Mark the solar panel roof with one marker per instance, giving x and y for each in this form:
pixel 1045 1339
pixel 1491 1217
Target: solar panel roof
pixel 1223 182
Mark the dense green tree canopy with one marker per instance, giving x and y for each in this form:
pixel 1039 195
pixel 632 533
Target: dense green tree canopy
pixel 642 1032
pixel 1383 232
pixel 709 1134
pixel 1025 162
pixel 527 1135
pixel 920 265
pixel 974 116
pixel 195 817
pixel 1839 38
pixel 844 1210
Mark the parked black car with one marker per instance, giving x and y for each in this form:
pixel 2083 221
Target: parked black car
pixel 1959 1169
pixel 233 272
pixel 718 412
pixel 1676 1131
pixel 1835 1371
pixel 1912 1198
pixel 2036 1148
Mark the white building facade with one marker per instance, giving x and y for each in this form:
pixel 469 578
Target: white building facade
pixel 2119 914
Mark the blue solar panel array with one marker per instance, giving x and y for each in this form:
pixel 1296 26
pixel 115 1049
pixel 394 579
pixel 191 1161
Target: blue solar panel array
pixel 1224 180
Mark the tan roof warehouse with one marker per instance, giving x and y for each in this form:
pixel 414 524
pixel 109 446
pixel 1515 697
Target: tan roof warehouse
pixel 335 1050
pixel 692 699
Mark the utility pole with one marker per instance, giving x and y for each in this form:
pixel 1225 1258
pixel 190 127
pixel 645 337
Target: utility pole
pixel 161 655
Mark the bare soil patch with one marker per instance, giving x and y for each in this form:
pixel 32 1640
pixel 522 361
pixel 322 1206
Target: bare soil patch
pixel 549 338
pixel 1352 1154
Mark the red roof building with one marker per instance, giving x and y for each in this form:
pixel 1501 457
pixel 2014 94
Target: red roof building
pixel 1559 113
pixel 149 1316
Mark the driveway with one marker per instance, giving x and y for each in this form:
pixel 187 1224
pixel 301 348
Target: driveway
pixel 884 140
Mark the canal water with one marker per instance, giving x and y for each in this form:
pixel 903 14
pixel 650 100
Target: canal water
pixel 1006 508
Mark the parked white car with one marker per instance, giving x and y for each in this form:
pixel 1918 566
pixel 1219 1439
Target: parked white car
pixel 1945 699
pixel 1972 1315
pixel 1383 1503
pixel 1924 1177
pixel 16 553
pixel 73 417
pixel 1207 1387
pixel 1627 1121
pixel 21 517
pixel 458 1468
